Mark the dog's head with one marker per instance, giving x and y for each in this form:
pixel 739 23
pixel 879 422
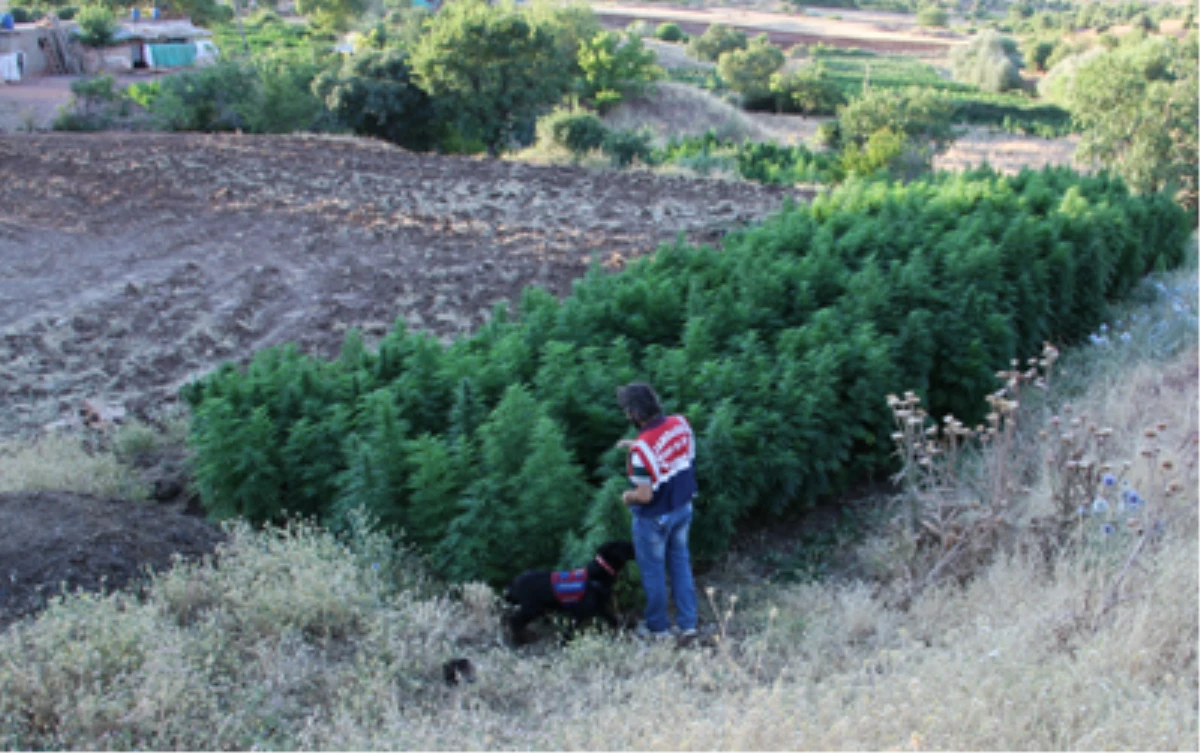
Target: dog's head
pixel 616 554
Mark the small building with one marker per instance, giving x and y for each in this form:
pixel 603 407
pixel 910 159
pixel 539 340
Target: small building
pixel 29 50
pixel 50 48
pixel 156 44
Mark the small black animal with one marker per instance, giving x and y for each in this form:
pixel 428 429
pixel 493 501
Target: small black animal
pixel 458 669
pixel 581 594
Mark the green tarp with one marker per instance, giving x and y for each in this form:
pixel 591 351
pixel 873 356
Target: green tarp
pixel 172 55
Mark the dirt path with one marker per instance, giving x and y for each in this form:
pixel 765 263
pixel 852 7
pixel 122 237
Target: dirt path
pixel 131 263
pixel 878 34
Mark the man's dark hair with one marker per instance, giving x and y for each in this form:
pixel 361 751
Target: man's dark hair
pixel 640 400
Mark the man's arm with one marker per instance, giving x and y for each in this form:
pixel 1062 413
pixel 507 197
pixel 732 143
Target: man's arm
pixel 643 488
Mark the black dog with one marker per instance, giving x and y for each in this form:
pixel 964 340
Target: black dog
pixel 581 594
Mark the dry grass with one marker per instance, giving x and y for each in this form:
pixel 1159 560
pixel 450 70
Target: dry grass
pixel 1006 152
pixel 674 109
pixel 66 462
pixel 300 640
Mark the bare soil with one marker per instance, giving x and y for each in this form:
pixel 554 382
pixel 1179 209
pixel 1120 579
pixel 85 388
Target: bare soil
pixel 879 33
pixel 56 541
pixel 133 263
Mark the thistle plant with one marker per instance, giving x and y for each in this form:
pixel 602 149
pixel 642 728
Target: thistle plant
pixel 955 523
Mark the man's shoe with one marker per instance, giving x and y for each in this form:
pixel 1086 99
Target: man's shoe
pixel 688 634
pixel 646 633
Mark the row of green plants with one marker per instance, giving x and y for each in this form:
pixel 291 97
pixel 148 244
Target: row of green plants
pixel 986 90
pixel 776 347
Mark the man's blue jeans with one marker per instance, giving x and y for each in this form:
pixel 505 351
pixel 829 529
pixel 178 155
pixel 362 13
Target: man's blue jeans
pixel 662 548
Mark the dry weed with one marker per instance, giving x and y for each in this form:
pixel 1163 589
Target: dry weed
pixel 65 462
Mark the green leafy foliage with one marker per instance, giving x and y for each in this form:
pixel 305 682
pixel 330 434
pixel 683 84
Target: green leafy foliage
pixel 373 94
pixel 779 348
pixel 613 68
pixel 624 147
pixel 989 61
pixel 932 16
pixel 96 104
pixel 1137 107
pixel 748 71
pixel 579 132
pixel 265 95
pixel 767 163
pixel 870 127
pixel 493 68
pixel 669 32
pixel 334 14
pixel 856 72
pixel 716 40
pixel 809 91
pixel 97 26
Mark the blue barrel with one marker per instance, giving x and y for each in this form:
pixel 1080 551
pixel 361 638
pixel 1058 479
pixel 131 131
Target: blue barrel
pixel 6 21
pixel 135 14
pixel 156 12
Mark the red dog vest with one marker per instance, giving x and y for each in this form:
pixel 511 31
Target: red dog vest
pixel 569 585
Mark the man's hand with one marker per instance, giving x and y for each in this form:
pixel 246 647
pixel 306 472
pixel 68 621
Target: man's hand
pixel 639 496
pixel 625 444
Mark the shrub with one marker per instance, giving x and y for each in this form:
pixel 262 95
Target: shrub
pixel 933 16
pixel 577 132
pixel 935 284
pixel 95 105
pixel 374 94
pixel 883 150
pixel 921 115
pixel 97 26
pixel 748 71
pixel 988 61
pixel 716 40
pixel 669 32
pixel 613 68
pixel 1037 53
pixel 267 95
pixel 809 91
pixel 21 15
pixel 67 13
pixel 640 29
pixel 829 134
pixel 624 147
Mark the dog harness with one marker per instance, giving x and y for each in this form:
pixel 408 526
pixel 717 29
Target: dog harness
pixel 569 585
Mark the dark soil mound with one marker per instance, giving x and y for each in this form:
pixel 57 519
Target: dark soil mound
pixel 54 540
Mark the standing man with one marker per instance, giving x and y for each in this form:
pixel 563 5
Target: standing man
pixel 664 483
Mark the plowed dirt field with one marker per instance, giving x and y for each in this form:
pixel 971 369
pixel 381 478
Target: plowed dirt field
pixel 130 263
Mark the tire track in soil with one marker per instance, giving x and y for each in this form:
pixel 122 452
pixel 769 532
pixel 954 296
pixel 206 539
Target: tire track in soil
pixel 131 263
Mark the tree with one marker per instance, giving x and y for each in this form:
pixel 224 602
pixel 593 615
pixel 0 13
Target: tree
pixel 492 67
pixel 716 40
pixel 749 71
pixel 614 69
pixel 97 25
pixel 335 14
pixel 374 95
pixel 920 114
pixel 1137 107
pixel 871 125
pixel 809 91
pixel 989 61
